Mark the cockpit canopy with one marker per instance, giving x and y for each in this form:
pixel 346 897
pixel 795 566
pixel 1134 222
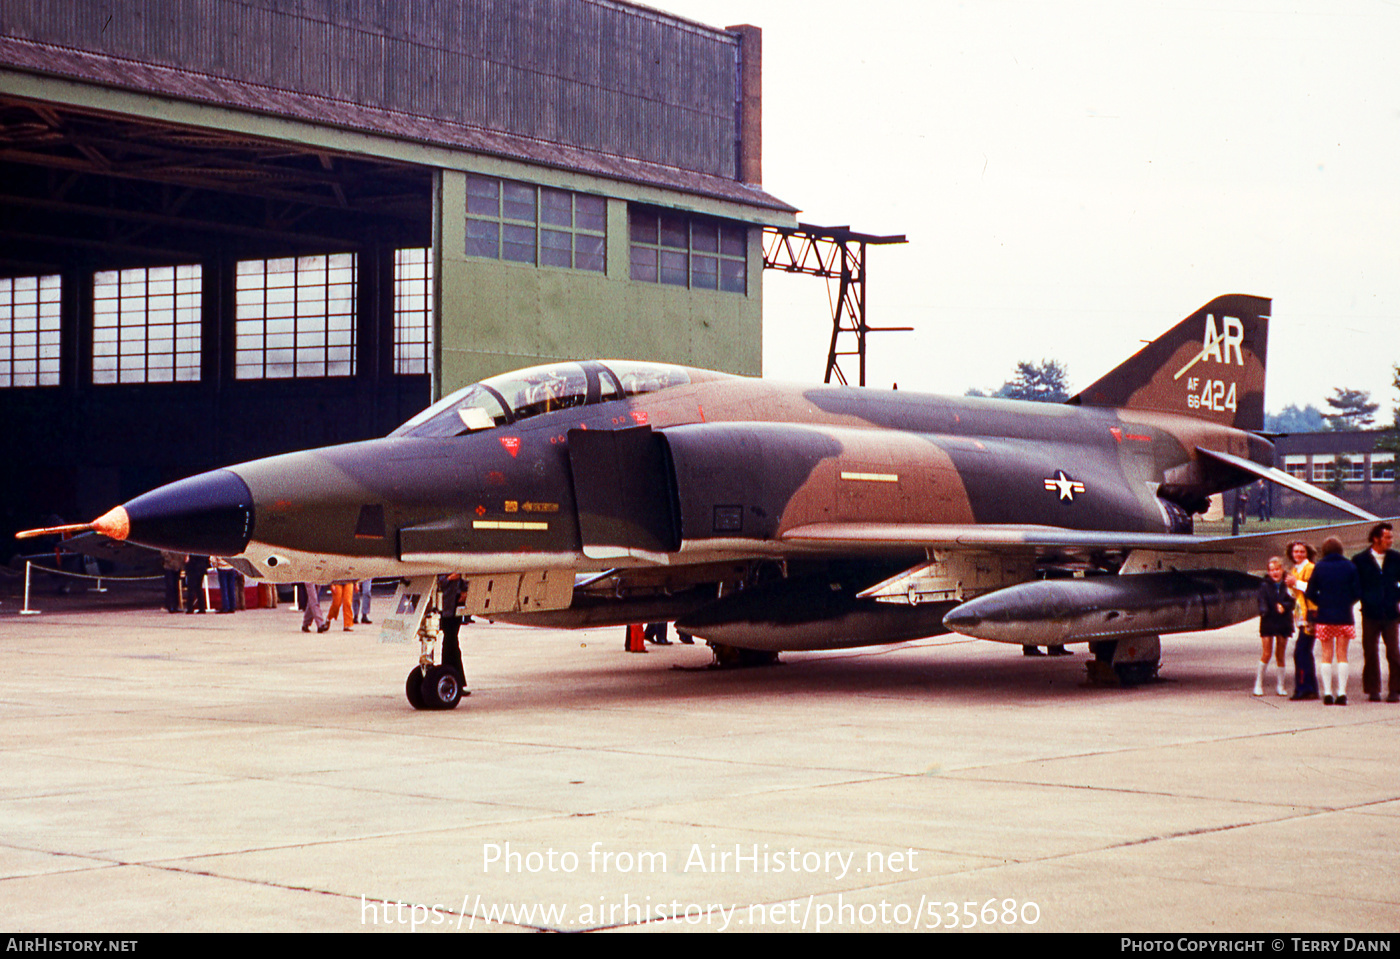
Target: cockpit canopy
pixel 512 397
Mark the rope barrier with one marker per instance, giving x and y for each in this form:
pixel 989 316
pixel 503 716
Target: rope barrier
pixel 112 579
pixel 29 568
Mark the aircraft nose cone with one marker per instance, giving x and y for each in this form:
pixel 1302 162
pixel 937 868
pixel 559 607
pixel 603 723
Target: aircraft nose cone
pixel 210 514
pixel 959 619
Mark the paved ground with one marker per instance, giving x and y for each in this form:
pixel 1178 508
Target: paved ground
pixel 231 773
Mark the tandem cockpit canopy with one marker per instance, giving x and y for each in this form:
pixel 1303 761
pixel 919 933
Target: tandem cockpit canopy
pixel 512 397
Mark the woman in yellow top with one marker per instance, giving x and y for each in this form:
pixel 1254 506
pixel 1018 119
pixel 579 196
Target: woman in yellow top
pixel 1305 667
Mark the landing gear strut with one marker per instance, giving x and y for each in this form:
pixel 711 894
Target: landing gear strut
pixel 440 686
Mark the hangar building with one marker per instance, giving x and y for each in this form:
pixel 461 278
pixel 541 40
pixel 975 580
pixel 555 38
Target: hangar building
pixel 236 227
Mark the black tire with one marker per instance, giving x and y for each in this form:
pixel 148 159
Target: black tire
pixel 413 688
pixel 442 688
pixel 1136 674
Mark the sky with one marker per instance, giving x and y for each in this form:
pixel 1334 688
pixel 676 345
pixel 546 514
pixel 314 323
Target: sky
pixel 1074 177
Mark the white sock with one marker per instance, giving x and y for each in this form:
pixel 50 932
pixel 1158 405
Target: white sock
pixel 1282 681
pixel 1259 679
pixel 1342 678
pixel 1325 672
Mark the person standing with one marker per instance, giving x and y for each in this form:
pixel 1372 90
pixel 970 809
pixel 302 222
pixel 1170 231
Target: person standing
pixel 312 613
pixel 452 586
pixel 173 564
pixel 1304 612
pixel 228 585
pixel 1262 504
pixel 1334 589
pixel 1275 624
pixel 1241 509
pixel 362 603
pixel 195 570
pixel 1379 571
pixel 342 602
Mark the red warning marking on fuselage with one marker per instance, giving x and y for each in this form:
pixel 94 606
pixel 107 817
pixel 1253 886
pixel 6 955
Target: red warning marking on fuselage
pixel 512 444
pixel 640 416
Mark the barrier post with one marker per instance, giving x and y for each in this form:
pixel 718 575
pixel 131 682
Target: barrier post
pixel 28 565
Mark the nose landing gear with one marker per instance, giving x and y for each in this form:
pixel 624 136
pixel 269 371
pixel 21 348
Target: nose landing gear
pixel 439 686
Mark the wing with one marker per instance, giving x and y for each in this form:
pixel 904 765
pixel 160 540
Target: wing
pixel 1047 542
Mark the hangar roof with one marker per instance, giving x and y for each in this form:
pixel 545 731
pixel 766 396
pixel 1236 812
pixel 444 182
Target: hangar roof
pixel 618 114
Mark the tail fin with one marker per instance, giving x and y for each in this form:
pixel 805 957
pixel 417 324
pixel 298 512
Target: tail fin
pixel 1210 365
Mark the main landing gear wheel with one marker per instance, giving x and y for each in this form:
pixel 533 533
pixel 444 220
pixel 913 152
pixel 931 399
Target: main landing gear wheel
pixel 735 657
pixel 1125 662
pixel 441 689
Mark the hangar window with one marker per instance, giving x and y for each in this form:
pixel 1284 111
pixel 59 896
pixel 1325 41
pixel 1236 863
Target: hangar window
pixel 146 324
pixel 538 225
pixel 295 317
pixel 29 330
pixel 1382 467
pixel 677 250
pixel 413 310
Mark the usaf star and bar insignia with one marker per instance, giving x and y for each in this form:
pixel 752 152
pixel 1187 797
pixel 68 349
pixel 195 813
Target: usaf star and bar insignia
pixel 1065 486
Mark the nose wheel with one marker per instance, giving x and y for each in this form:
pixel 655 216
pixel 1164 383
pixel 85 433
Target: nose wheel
pixel 440 688
pixel 413 688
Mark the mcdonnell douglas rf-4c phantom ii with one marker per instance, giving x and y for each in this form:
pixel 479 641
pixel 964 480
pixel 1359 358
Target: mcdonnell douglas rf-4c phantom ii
pixel 765 517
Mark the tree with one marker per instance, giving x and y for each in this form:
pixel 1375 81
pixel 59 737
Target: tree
pixel 1047 382
pixel 1395 410
pixel 1353 410
pixel 1392 442
pixel 1293 420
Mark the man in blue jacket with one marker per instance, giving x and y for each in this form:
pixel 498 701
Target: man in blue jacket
pixel 1379 571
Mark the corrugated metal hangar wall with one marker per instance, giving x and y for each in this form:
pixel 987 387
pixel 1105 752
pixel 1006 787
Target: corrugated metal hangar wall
pixel 237 227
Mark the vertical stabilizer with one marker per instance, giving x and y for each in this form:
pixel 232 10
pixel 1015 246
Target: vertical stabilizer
pixel 1210 365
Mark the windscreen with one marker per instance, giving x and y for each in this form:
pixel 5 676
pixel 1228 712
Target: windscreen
pixel 507 398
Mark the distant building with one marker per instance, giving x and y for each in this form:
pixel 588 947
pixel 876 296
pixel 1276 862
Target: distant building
pixel 1347 464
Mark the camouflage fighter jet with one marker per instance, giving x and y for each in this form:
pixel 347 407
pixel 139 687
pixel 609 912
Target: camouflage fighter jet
pixel 765 517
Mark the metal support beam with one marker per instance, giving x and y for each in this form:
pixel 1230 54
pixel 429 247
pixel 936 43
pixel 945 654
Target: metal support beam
pixel 834 253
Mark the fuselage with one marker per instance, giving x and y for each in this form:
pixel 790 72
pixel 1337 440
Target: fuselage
pixel 706 467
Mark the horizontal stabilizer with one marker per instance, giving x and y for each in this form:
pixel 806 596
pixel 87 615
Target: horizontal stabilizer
pixel 1278 476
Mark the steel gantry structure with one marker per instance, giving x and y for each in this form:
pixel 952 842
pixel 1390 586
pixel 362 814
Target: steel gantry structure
pixel 835 253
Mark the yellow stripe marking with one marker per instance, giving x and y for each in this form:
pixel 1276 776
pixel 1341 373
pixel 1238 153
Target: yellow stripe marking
pixel 506 524
pixel 872 477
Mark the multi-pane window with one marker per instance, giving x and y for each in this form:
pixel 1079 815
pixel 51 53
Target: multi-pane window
pixel 295 317
pixel 1324 468
pixel 1296 466
pixel 679 250
pixel 1382 467
pixel 146 324
pixel 413 310
pixel 538 225
pixel 29 330
pixel 1352 469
